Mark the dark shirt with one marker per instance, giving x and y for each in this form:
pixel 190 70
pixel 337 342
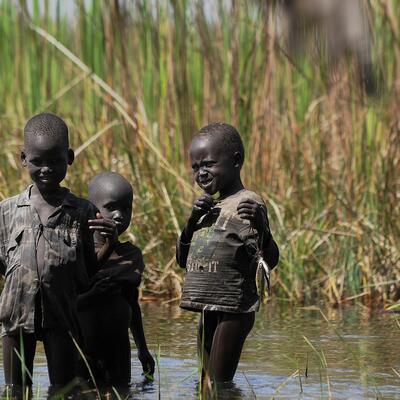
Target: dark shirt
pixel 110 311
pixel 69 261
pixel 220 260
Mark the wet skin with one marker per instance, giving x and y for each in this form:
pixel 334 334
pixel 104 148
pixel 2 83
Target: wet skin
pixel 47 159
pixel 113 196
pixel 217 170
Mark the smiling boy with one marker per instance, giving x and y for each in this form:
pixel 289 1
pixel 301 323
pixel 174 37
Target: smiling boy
pixel 219 248
pixel 47 255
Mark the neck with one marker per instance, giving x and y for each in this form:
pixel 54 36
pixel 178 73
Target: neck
pixel 47 193
pixel 233 189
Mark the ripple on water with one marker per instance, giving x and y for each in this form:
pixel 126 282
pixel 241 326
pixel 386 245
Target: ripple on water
pixel 359 363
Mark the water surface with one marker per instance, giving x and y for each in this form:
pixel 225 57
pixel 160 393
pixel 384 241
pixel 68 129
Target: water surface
pixel 352 356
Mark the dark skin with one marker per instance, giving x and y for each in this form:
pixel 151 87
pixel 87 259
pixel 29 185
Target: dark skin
pixel 47 160
pixel 113 196
pixel 218 171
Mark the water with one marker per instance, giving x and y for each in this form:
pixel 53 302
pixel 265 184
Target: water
pixel 350 357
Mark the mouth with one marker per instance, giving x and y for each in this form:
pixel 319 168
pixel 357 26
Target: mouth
pixel 206 183
pixel 47 179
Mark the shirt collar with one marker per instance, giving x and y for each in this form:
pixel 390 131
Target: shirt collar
pixel 69 200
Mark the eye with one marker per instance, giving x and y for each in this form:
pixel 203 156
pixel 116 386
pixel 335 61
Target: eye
pixel 36 161
pixel 195 167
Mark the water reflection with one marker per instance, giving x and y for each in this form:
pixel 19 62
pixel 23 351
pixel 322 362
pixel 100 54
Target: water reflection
pixel 350 356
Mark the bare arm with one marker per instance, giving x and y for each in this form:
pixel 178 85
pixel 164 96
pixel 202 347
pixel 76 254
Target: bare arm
pixel 137 331
pixel 200 207
pixel 257 214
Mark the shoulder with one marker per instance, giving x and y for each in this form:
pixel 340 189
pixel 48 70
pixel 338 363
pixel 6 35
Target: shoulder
pixel 128 252
pixel 131 249
pixel 234 200
pixel 80 203
pixel 9 206
pixel 249 194
pixel 9 202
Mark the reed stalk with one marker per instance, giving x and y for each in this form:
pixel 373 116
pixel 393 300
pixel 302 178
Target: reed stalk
pixel 135 79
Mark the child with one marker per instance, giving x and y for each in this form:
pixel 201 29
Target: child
pixel 46 255
pixel 111 305
pixel 219 247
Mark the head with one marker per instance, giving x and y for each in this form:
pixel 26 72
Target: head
pixel 217 155
pixel 112 194
pixel 46 153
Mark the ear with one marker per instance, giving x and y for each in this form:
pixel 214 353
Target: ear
pixel 238 159
pixel 23 158
pixel 71 156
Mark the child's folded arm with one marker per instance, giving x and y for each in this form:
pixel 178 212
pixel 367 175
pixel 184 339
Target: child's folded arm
pixel 120 274
pixel 98 290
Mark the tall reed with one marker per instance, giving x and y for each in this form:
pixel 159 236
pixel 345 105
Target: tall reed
pixel 324 156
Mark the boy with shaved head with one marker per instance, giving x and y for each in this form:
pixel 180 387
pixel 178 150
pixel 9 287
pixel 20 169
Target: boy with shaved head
pixel 47 255
pixel 221 246
pixel 111 306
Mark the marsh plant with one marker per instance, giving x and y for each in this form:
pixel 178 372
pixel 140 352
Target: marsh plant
pixel 135 79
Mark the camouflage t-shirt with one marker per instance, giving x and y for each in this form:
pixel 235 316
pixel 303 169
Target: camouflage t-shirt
pixel 69 260
pixel 220 266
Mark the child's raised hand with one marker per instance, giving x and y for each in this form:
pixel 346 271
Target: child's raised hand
pixel 254 212
pixel 105 226
pixel 201 206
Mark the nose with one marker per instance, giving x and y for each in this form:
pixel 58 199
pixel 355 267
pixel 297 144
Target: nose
pixel 202 172
pixel 117 216
pixel 45 169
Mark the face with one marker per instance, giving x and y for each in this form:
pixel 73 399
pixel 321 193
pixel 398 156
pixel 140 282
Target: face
pixel 47 161
pixel 114 198
pixel 214 169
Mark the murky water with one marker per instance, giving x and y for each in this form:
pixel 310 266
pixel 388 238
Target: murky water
pixel 353 356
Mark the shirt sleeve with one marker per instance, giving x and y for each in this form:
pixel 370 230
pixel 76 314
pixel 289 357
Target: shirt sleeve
pixel 89 251
pixel 4 225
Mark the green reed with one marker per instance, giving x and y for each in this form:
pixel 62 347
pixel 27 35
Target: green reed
pixel 324 156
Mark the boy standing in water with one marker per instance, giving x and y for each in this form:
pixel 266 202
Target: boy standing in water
pixel 220 246
pixel 111 306
pixel 46 255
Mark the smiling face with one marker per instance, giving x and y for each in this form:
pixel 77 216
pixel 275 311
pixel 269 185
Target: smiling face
pixel 47 159
pixel 112 195
pixel 215 169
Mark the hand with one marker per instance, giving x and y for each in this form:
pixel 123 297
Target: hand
pixel 147 361
pixel 201 206
pixel 254 212
pixel 105 226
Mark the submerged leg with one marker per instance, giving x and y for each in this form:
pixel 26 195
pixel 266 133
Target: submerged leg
pixel 118 359
pixel 227 344
pixel 61 355
pixel 14 347
pixel 207 324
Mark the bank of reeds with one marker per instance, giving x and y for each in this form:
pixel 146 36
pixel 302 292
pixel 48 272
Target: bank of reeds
pixel 142 76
